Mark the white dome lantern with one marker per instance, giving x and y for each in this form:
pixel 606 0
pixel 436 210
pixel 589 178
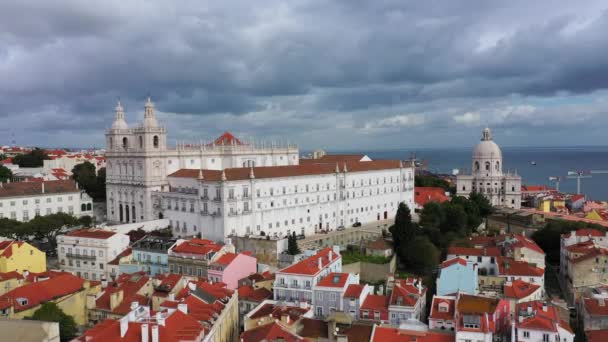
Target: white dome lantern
pixel 119 119
pixel 487 156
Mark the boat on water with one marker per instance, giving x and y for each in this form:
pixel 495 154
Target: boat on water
pixel 533 162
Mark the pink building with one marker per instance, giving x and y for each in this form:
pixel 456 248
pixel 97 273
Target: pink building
pixel 231 267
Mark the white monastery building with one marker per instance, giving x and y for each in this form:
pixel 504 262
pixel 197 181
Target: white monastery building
pixel 231 187
pixel 500 188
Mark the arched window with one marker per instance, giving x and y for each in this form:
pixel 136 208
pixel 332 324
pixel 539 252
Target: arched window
pixel 141 142
pixel 487 166
pixel 125 143
pixel 83 207
pixel 111 142
pixel 497 166
pixel 476 166
pixel 155 141
pixel 89 207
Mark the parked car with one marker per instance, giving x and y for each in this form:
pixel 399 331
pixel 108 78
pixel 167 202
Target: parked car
pixel 340 228
pixel 357 224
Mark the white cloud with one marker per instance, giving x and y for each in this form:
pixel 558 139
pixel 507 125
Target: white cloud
pixel 468 118
pixel 394 123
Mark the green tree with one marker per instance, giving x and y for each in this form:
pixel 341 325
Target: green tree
pixel 472 211
pixel 5 173
pixel 12 229
pixel 431 215
pixel 455 219
pixel 292 245
pixel 50 312
pixel 33 159
pixel 84 174
pixel 430 180
pixel 100 194
pixel 50 226
pixel 482 203
pixel 85 221
pixel 2 156
pixel 421 255
pixel 403 231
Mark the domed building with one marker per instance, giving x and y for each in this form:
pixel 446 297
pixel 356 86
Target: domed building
pixel 486 176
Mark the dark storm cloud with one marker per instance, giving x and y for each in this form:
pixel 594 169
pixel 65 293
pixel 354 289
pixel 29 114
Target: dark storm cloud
pixel 316 71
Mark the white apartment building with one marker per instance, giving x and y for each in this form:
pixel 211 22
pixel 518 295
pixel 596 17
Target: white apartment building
pixel 22 201
pixel 138 162
pixel 87 252
pixel 279 200
pixel 295 283
pixel 540 321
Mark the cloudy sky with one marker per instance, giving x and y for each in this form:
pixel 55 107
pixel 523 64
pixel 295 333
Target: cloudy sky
pixel 343 74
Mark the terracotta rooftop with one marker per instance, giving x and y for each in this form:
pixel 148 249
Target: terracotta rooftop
pixel 353 291
pixel 91 233
pixel 226 259
pixel 234 174
pixel 375 302
pixel 597 335
pixel 453 261
pixel 196 246
pixel 249 293
pixel 310 265
pixel 509 266
pixel 442 315
pixel 40 292
pixel 542 318
pixel 334 158
pixel 6 247
pixel 406 293
pixel 334 280
pixel 519 289
pixel 383 334
pixel 35 188
pixel 270 332
pixel 424 195
pixel 487 251
pixel 277 311
pixel 476 304
pixel 227 139
pixel 596 306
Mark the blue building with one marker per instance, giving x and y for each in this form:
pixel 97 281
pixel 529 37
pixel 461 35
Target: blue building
pixel 456 275
pixel 149 255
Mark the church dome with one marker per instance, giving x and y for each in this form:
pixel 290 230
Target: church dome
pixel 119 121
pixel 487 149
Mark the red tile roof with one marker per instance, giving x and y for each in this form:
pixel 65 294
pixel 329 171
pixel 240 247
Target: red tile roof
pixel 597 335
pixel 592 252
pixel 92 233
pixel 10 275
pixel 508 266
pixel 284 171
pixel 472 251
pixel 35 188
pixel 310 265
pixel 41 291
pixel 334 280
pixel 226 259
pixel 453 261
pixel 227 139
pixel 353 291
pixel 270 332
pixel 178 327
pixel 334 158
pixel 586 232
pixel 168 281
pixel 424 195
pixel 276 311
pixel 383 334
pixel 252 294
pixel 197 246
pixel 445 315
pixel 6 247
pixel 540 319
pixel 122 254
pixel 596 306
pixel 520 241
pixel 476 304
pixel 405 292
pixel 375 302
pixel 519 289
pixel 129 284
pixel 535 188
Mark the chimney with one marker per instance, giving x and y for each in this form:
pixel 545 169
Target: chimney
pixel 520 318
pixel 26 273
pixel 601 302
pixel 144 333
pixel 124 326
pixel 285 319
pixel 171 296
pixel 529 309
pixel 42 186
pixel 545 306
pixel 104 283
pixel 331 255
pixel 320 263
pixel 134 305
pixel 183 307
pixel 155 333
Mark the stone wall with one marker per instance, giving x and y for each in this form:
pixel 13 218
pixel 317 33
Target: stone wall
pixel 369 272
pixel 266 251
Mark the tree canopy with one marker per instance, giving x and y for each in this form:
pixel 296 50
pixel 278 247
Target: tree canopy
pixel 33 159
pixel 50 312
pixel 93 183
pixel 549 237
pixel 5 173
pixel 40 227
pixel 430 180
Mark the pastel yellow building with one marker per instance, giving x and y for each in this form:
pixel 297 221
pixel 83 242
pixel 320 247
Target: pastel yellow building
pixel 67 291
pixel 21 256
pixel 594 215
pixel 9 281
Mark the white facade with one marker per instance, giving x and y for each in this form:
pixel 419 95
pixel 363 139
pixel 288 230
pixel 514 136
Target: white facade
pixel 138 162
pixel 487 176
pixel 305 203
pixel 86 252
pixel 43 198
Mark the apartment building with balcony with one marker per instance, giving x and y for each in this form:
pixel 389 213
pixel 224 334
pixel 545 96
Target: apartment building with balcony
pixel 192 257
pixel 295 283
pixel 328 293
pixel 149 255
pixel 87 252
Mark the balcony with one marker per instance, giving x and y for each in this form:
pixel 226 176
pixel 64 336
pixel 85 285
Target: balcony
pixel 294 286
pixel 217 199
pixel 231 198
pixel 204 213
pixel 80 256
pixel 205 198
pixel 282 285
